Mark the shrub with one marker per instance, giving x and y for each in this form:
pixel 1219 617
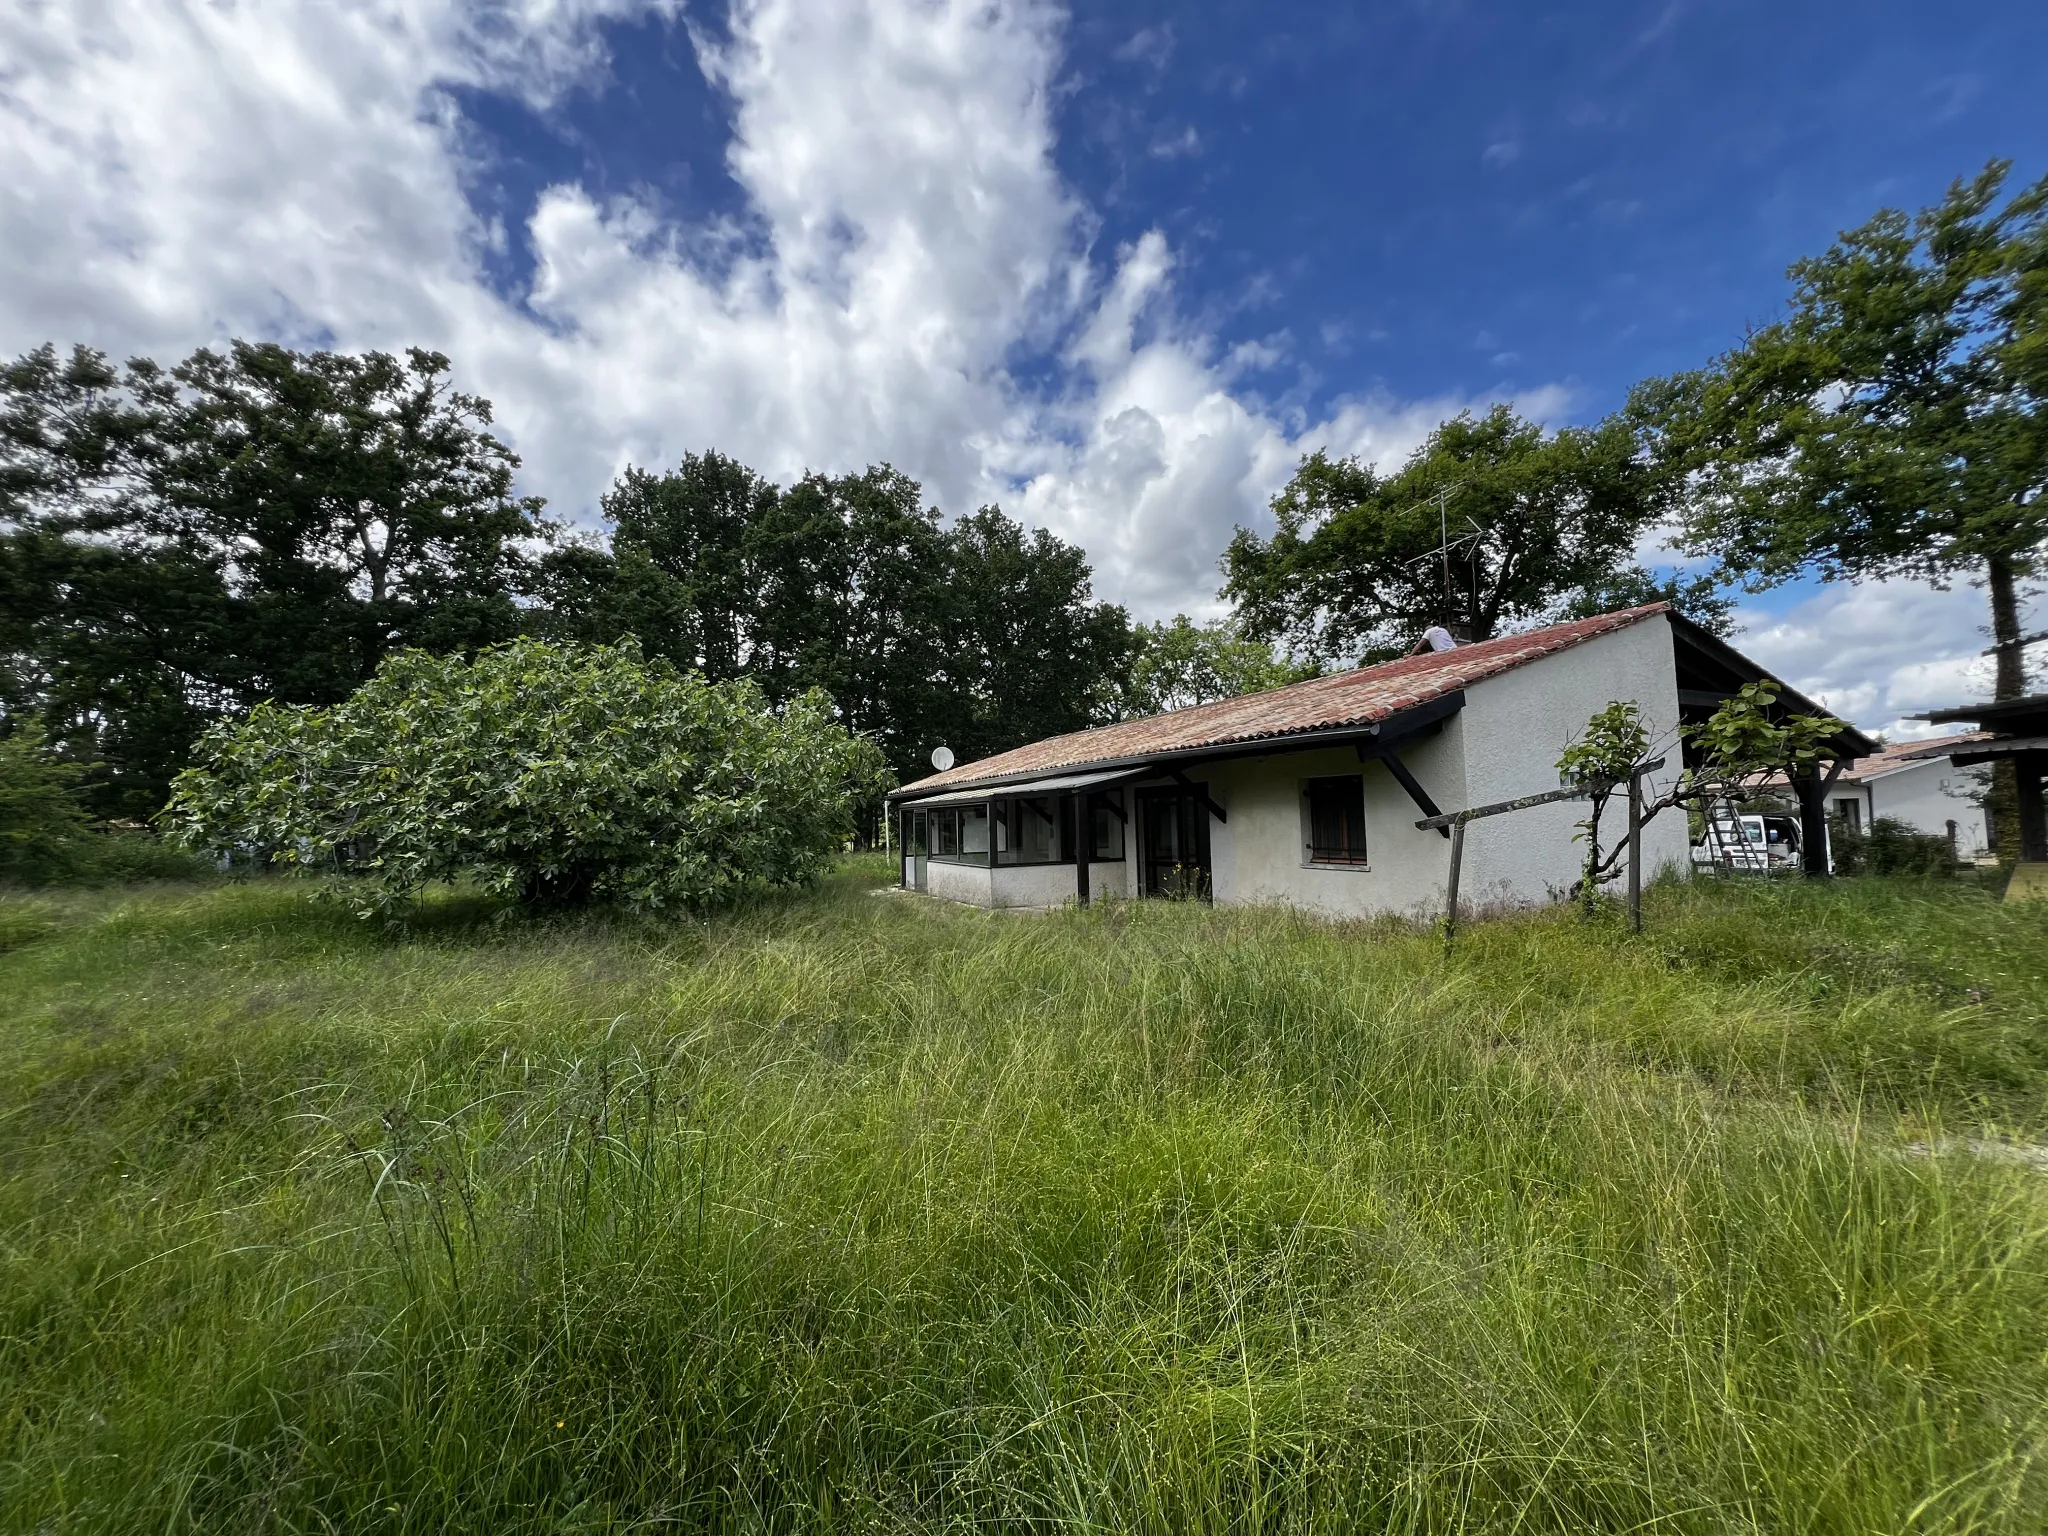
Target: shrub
pixel 556 775
pixel 45 835
pixel 1890 847
pixel 121 855
pixel 47 838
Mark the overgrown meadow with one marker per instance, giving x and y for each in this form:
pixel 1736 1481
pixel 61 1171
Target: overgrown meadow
pixel 857 1212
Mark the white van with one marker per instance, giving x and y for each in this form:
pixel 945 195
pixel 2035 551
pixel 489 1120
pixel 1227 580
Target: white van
pixel 1758 844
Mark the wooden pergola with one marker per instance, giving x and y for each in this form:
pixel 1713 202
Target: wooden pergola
pixel 1453 823
pixel 2015 731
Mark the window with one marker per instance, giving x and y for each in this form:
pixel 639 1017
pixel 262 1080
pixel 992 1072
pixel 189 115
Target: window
pixel 1851 812
pixel 1033 827
pixel 958 833
pixel 1336 819
pixel 974 832
pixel 1106 843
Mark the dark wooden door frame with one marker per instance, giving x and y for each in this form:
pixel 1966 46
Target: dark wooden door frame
pixel 1189 805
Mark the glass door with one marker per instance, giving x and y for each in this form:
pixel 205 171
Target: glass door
pixel 1174 833
pixel 916 849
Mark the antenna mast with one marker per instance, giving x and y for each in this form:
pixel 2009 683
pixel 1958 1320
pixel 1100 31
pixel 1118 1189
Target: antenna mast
pixel 1443 523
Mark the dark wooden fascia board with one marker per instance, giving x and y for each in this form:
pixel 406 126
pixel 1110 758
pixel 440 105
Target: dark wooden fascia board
pixel 1709 653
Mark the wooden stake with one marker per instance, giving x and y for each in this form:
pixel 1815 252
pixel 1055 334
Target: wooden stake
pixel 1635 853
pixel 1451 897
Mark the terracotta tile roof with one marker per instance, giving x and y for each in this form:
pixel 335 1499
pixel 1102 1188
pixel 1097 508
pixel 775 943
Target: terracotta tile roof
pixel 1358 697
pixel 1905 754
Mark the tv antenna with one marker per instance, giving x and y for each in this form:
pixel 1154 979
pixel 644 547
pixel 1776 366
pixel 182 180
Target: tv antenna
pixel 942 758
pixel 1445 543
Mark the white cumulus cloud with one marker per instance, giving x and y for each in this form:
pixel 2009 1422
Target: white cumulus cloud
pixel 1876 652
pixel 177 172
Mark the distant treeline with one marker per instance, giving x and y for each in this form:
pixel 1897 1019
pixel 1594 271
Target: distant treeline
pixel 977 634
pixel 180 544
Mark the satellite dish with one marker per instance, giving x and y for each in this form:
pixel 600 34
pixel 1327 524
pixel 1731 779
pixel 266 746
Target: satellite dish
pixel 942 758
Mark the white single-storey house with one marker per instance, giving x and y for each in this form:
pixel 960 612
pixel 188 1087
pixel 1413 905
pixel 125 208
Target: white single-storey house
pixel 1920 784
pixel 1309 795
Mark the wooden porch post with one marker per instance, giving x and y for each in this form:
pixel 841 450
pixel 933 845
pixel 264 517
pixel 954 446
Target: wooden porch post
pixel 1081 846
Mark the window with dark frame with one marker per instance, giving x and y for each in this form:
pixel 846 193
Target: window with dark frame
pixel 974 833
pixel 1106 844
pixel 959 834
pixel 1032 831
pixel 1027 829
pixel 1336 819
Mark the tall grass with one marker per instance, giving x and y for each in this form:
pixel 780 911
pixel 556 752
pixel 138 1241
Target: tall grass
pixel 857 1212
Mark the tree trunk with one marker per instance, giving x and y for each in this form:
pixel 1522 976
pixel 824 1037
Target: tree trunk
pixel 1811 792
pixel 1589 888
pixel 2005 630
pixel 2010 683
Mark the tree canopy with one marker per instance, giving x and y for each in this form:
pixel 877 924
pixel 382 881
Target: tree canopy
pixel 1179 663
pixel 980 635
pixel 685 546
pixel 261 524
pixel 1491 523
pixel 1892 423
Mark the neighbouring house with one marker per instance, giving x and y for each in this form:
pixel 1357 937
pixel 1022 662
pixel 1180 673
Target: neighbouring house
pixel 1918 783
pixel 1309 795
pixel 2013 731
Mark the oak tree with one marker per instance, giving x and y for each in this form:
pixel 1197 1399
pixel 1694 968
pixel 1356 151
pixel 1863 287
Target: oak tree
pixel 1894 422
pixel 1490 524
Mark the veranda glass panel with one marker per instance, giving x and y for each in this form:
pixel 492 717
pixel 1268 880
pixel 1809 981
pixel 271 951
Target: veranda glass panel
pixel 1036 828
pixel 1107 842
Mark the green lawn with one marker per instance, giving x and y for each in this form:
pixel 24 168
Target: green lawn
pixel 859 1212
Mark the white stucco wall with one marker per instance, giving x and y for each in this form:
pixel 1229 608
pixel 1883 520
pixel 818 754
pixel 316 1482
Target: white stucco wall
pixel 1259 854
pixel 1025 885
pixel 1927 797
pixel 1111 879
pixel 958 882
pixel 1516 726
pixel 1033 885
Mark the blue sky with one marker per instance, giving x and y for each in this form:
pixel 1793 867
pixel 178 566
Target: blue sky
pixel 1427 199
pixel 1115 267
pixel 1462 199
